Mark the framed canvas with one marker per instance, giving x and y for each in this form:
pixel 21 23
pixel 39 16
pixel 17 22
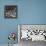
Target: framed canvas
pixel 32 32
pixel 10 11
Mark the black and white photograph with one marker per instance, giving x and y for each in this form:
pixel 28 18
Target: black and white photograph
pixel 10 11
pixel 32 35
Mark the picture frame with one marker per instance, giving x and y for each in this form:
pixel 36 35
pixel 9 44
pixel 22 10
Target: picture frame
pixel 32 30
pixel 10 11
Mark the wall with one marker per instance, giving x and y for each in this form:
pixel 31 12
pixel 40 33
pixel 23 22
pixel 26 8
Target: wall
pixel 29 12
pixel 33 12
pixel 7 25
